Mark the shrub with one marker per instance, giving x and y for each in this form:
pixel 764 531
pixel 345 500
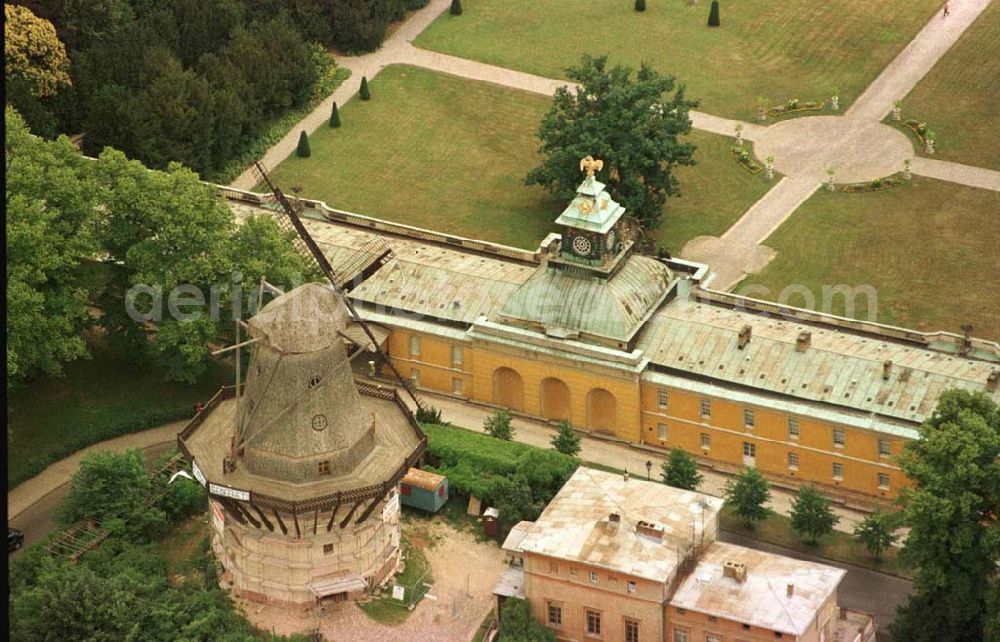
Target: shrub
pixel 364 93
pixel 303 151
pixel 566 440
pixel 413 5
pixel 519 625
pixel 498 425
pixel 334 115
pixel 428 415
pixel 456 7
pixel 640 5
pixel 713 14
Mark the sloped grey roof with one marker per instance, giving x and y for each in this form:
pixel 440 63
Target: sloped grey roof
pixel 565 302
pixel 838 367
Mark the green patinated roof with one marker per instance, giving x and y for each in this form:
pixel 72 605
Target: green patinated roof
pixel 592 209
pixel 565 302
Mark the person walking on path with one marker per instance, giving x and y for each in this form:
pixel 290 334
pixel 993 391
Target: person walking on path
pixel 946 11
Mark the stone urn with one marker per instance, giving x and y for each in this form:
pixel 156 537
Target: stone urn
pixel 835 103
pixel 761 114
pixel 829 181
pixel 739 134
pixel 769 168
pixel 929 145
pixel 906 169
pixel 896 111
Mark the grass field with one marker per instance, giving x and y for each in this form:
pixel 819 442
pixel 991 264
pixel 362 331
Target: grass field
pixel 929 250
pixel 96 399
pixel 960 96
pixel 450 154
pixel 764 49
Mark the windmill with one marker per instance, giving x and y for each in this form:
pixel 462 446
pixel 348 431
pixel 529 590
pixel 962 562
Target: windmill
pixel 305 243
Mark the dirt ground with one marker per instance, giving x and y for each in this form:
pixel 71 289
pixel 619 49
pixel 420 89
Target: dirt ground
pixel 464 569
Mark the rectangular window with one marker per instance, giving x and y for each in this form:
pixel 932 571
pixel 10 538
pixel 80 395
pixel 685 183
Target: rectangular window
pixel 748 419
pixel 662 399
pixel 456 386
pixel 553 568
pixel 706 440
pixel 631 587
pixel 593 623
pixel 712 618
pixel 884 448
pixel 838 471
pixel 749 450
pixel 712 637
pixel 593 577
pixel 631 631
pixel 681 635
pixel 555 614
pixel 838 438
pixel 324 467
pixel 793 461
pixel 415 376
pixel 456 356
pixel 706 409
pixel 662 428
pixel 327 549
pixel 793 428
pixel 414 346
pixel 883 481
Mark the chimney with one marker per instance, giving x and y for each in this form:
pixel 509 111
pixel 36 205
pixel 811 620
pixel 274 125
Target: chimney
pixel 625 477
pixel 790 590
pixel 614 518
pixel 805 338
pixel 993 381
pixel 735 570
pixel 744 339
pixel 649 529
pixel 887 369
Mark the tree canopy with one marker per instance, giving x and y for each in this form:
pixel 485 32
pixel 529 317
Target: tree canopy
pixel 33 53
pixel 633 121
pixel 811 515
pixel 952 511
pixel 168 242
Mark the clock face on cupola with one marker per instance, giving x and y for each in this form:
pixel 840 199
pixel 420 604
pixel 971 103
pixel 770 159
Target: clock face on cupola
pixel 591 225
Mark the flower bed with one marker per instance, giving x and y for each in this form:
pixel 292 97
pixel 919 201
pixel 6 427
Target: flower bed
pixel 877 185
pixel 794 105
pixel 744 156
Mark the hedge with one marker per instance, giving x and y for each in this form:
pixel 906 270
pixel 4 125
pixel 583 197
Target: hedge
pixel 88 435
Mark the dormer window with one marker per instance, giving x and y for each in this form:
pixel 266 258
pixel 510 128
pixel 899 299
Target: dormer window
pixel 314 381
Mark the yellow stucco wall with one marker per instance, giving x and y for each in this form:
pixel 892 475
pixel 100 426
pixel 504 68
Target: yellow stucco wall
pixel 637 413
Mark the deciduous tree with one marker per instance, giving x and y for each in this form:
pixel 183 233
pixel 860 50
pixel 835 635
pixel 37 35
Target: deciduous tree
pixel 32 52
pixel 877 531
pixel 811 515
pixel 747 495
pixel 633 121
pixel 681 471
pixel 952 511
pixel 498 425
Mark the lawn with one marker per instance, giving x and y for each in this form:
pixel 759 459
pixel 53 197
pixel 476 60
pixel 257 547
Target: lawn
pixel 450 154
pixel 96 399
pixel 417 572
pixel 958 99
pixel 929 249
pixel 774 50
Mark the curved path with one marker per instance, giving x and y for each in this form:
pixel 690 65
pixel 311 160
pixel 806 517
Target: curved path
pixel 855 145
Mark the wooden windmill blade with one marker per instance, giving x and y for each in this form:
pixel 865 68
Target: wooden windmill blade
pixel 304 237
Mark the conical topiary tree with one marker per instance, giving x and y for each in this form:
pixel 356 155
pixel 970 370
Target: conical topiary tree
pixel 456 7
pixel 334 115
pixel 303 151
pixel 640 5
pixel 713 14
pixel 364 93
